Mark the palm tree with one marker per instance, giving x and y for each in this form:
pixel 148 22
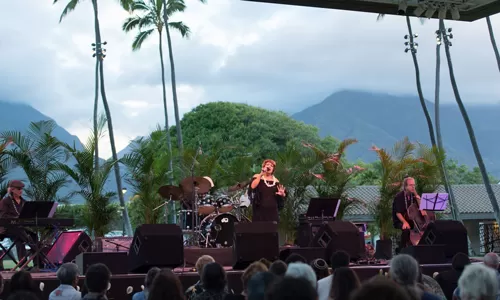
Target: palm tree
pixel 38 153
pixel 147 23
pixel 493 42
pixel 468 124
pixel 126 4
pixel 99 212
pixel 169 8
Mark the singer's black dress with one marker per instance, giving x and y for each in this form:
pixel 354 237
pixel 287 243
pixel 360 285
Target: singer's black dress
pixel 265 203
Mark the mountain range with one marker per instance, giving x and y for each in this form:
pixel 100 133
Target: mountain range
pixel 372 118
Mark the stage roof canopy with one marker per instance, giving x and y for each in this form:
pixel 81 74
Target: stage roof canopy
pixel 461 10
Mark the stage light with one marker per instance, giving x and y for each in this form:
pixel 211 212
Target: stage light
pixel 402 7
pixel 430 12
pixel 442 12
pixel 455 14
pixel 419 10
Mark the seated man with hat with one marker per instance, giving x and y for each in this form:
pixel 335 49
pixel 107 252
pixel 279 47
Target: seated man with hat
pixel 10 208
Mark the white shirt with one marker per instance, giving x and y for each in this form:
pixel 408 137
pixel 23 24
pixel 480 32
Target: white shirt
pixel 324 287
pixel 65 292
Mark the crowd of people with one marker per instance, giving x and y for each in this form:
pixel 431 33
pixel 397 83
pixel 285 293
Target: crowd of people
pixel 295 278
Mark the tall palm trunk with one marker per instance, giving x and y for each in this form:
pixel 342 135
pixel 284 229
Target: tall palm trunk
pixel 167 127
pixel 96 93
pixel 427 115
pixel 172 75
pixel 468 124
pixel 455 213
pixel 493 42
pixel 126 220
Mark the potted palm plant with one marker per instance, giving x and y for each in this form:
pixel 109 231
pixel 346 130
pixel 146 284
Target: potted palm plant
pixel 333 177
pixel 395 166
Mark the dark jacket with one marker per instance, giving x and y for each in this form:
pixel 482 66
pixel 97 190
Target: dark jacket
pixel 10 209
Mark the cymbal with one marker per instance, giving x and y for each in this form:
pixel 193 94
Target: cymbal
pixel 201 183
pixel 169 190
pixel 238 186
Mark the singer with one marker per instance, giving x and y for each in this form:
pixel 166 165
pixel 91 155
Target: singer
pixel 266 194
pixel 400 216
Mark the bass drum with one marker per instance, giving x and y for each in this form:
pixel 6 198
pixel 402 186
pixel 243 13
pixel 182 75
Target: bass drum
pixel 220 230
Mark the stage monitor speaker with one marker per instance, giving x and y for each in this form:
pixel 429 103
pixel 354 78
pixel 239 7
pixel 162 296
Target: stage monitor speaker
pixel 116 261
pixel 426 254
pixel 253 241
pixel 452 234
pixel 309 254
pixel 68 245
pixel 339 235
pixel 156 245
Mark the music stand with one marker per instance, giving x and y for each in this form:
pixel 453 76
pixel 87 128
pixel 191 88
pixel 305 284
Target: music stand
pixel 434 201
pixel 324 209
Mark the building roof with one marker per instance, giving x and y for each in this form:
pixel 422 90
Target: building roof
pixel 469 10
pixel 472 201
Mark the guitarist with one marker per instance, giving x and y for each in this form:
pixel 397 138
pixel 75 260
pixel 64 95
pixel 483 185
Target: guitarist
pixel 400 205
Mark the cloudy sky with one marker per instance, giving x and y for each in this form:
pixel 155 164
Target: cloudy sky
pixel 277 57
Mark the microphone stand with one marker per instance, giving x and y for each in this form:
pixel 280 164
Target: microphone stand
pixel 194 195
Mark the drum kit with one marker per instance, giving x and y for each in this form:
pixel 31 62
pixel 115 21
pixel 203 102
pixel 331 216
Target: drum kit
pixel 214 214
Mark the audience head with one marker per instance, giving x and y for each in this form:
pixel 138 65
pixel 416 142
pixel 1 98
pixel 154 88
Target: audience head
pixel 301 270
pixel 1 284
pixel 320 267
pixel 266 262
pixel 294 258
pixel 478 282
pixel 150 277
pixel 340 259
pixel 214 277
pixel 459 261
pixel 68 274
pixel 344 282
pixel 290 288
pixel 380 288
pixel 252 269
pixel 22 281
pixel 259 284
pixel 491 260
pixel 405 271
pixel 98 278
pixel 166 285
pixel 23 295
pixel 203 261
pixel 278 267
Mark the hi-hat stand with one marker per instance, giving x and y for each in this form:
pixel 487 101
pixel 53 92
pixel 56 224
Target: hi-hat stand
pixel 194 239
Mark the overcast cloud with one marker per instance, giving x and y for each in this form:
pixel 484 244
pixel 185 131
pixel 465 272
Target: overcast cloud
pixel 277 57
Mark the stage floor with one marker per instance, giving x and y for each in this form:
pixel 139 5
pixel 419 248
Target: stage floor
pixel 124 285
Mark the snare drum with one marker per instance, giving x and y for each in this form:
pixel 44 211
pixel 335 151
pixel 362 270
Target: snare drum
pixel 206 205
pixel 224 204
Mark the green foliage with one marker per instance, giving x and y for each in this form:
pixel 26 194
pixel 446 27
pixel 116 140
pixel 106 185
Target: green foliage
pixel 99 212
pixel 39 154
pixel 147 172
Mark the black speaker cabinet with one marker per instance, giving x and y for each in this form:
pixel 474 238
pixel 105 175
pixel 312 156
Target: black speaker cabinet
pixel 426 254
pixel 253 241
pixel 309 254
pixel 68 245
pixel 452 234
pixel 156 245
pixel 339 235
pixel 116 261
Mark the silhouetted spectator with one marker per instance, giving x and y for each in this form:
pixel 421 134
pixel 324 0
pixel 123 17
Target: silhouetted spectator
pixel 259 285
pixel 197 288
pixel 23 295
pixel 214 283
pixel 166 285
pixel 344 283
pixel 320 267
pixel 478 282
pixel 380 288
pixel 294 257
pixel 290 288
pixel 148 281
pixel 1 284
pixel 302 270
pixel 97 282
pixel 491 260
pixel 266 262
pixel 251 270
pixel 278 268
pixel 22 281
pixel 68 280
pixel 448 280
pixel 429 284
pixel 339 259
